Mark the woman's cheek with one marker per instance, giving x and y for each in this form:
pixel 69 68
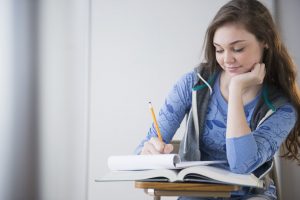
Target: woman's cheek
pixel 219 60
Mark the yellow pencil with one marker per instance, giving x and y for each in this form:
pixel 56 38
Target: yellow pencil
pixel 155 122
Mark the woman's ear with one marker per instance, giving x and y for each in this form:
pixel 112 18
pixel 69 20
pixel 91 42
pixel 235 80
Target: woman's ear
pixel 266 46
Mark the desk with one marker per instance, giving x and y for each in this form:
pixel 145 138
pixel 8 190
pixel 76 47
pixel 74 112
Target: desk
pixel 158 189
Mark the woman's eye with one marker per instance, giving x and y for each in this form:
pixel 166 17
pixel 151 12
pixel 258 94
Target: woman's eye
pixel 238 50
pixel 219 50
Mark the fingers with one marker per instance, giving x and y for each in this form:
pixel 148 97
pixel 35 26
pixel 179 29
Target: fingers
pixel 245 80
pixel 149 148
pixel 155 146
pixel 168 148
pixel 258 72
pixel 261 72
pixel 158 144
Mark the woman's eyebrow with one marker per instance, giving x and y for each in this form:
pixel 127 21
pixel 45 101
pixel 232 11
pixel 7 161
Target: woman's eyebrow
pixel 234 42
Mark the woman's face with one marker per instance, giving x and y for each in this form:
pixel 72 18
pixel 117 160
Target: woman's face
pixel 237 50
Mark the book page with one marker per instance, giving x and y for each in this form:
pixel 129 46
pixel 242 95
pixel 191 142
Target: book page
pixel 143 162
pixel 221 175
pixel 156 174
pixel 198 163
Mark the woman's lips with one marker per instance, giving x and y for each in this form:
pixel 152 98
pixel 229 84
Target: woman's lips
pixel 233 69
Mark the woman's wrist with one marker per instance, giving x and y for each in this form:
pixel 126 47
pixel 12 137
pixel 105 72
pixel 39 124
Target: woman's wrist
pixel 235 88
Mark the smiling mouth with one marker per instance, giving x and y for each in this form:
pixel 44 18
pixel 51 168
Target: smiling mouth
pixel 233 69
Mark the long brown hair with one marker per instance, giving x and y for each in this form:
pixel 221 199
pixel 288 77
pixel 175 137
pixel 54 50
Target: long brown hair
pixel 280 68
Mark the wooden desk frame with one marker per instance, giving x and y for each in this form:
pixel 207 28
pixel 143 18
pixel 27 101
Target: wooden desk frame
pixel 158 189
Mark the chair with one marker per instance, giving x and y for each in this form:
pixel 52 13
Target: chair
pixel 274 175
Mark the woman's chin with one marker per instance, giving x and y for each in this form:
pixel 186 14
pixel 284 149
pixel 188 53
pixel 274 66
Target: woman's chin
pixel 233 73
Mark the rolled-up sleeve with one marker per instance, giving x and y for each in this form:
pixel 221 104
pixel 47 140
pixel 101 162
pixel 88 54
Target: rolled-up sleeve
pixel 248 152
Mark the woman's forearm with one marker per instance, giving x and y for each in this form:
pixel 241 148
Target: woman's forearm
pixel 236 119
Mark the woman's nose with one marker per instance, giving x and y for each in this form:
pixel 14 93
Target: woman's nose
pixel 228 57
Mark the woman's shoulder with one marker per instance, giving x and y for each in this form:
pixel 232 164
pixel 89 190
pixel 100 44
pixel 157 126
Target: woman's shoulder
pixel 189 77
pixel 289 108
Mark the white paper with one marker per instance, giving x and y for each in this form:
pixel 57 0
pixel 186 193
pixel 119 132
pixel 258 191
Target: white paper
pixel 198 163
pixel 143 162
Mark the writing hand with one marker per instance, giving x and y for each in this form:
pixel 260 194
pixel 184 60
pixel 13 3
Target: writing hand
pixel 156 146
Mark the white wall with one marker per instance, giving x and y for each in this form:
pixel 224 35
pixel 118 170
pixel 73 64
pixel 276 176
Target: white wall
pixel 139 49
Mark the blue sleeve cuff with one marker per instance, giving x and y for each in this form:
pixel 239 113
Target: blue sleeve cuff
pixel 241 153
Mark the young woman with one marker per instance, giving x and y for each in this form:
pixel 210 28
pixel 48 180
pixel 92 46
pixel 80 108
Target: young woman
pixel 242 102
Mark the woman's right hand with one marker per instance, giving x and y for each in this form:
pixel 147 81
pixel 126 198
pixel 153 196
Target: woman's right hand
pixel 156 146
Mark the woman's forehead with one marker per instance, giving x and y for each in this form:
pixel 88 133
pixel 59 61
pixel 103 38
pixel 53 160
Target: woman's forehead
pixel 232 34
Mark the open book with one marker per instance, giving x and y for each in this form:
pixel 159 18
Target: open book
pixel 159 161
pixel 196 171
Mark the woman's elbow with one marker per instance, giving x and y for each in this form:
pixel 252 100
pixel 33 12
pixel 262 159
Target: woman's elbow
pixel 243 167
pixel 240 169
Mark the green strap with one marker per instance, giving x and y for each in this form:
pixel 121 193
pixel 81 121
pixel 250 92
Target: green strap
pixel 266 99
pixel 264 92
pixel 210 81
